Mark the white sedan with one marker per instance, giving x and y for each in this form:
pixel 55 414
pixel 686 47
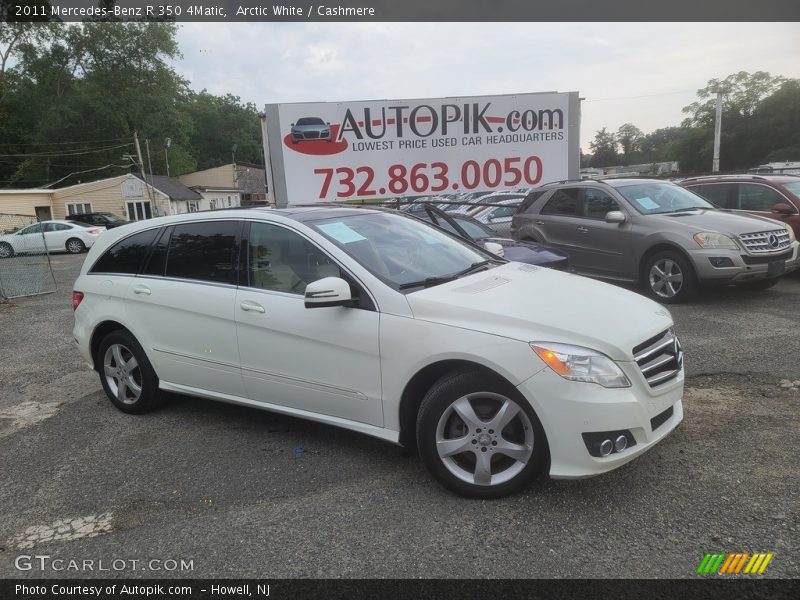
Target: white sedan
pixel 60 236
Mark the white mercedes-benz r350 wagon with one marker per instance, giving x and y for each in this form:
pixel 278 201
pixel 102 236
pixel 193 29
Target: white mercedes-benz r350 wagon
pixel 378 322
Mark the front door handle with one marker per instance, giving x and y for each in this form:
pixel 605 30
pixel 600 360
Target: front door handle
pixel 252 307
pixel 141 290
pixel 583 229
pixel 540 222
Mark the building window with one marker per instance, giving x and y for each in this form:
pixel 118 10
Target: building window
pixel 212 203
pixel 138 211
pixel 78 208
pixel 192 206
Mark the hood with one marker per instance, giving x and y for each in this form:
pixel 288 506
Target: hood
pixel 531 303
pixel 720 221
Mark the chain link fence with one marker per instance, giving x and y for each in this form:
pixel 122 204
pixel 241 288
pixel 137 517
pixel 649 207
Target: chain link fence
pixel 25 268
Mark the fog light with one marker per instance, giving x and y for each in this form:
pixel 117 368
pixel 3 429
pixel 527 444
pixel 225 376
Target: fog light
pixel 620 443
pixel 606 447
pixel 720 261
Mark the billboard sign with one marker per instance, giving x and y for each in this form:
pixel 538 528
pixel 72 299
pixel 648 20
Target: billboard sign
pixel 335 151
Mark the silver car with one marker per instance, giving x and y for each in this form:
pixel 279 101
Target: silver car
pixel 310 128
pixel 656 233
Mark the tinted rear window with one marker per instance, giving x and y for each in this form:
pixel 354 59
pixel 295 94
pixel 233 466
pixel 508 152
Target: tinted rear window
pixel 563 202
pixel 203 251
pixel 126 256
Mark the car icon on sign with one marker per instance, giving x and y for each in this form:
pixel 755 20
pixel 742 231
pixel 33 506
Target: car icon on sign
pixel 310 128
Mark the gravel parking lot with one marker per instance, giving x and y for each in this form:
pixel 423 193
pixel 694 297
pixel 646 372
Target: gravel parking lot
pixel 241 492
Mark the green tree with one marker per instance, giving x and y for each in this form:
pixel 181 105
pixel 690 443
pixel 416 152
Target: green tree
pixel 220 122
pixel 629 137
pixel 604 149
pixel 743 92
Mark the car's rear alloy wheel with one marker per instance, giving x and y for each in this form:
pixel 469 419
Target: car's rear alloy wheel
pixel 6 251
pixel 127 376
pixel 478 438
pixel 75 246
pixel 669 278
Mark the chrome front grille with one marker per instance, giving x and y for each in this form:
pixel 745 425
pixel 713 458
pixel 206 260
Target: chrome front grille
pixel 765 241
pixel 660 358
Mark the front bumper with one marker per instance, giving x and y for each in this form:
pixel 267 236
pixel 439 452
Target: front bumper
pixel 567 409
pixel 744 267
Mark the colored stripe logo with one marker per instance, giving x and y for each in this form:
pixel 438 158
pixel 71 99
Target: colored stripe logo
pixel 734 563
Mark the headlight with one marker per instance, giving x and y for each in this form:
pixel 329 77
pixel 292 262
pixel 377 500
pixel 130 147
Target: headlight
pixel 581 364
pixel 708 239
pixel 792 236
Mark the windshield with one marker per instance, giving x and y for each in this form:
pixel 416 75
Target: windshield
pixel 111 217
pixel 793 187
pixel 400 250
pixel 310 121
pixel 658 198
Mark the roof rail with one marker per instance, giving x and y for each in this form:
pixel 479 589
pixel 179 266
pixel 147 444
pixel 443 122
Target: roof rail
pixel 741 176
pixel 572 181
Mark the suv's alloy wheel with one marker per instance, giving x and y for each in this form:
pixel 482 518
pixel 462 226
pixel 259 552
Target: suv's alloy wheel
pixel 126 374
pixel 478 437
pixel 669 278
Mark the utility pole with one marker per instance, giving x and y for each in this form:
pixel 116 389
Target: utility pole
pixel 167 144
pixel 717 130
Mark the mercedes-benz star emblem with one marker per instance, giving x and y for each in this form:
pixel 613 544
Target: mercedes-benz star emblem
pixel 773 241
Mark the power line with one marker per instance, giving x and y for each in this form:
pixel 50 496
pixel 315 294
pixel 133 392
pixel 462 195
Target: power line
pixel 81 172
pixel 69 152
pixel 63 143
pixel 642 96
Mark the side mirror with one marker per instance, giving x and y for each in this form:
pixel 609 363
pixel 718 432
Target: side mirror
pixel 330 291
pixel 494 248
pixel 291 124
pixel 782 208
pixel 615 216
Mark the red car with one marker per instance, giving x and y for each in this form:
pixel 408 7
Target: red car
pixel 773 196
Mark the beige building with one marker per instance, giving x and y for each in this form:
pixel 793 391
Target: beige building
pixel 126 196
pixel 228 185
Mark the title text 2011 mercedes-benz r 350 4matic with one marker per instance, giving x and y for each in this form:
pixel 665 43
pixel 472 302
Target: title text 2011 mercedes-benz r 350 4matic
pixel 380 323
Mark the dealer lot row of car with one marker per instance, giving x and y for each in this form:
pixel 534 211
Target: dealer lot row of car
pixel 198 303
pixel 510 383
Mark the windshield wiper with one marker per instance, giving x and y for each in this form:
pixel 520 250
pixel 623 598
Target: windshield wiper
pixel 429 281
pixel 677 210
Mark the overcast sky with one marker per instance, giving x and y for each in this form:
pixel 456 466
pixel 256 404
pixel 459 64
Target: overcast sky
pixel 612 65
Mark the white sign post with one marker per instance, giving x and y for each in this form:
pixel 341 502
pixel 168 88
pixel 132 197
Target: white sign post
pixel 335 151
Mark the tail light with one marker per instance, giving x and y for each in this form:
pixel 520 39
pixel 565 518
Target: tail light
pixel 93 231
pixel 76 299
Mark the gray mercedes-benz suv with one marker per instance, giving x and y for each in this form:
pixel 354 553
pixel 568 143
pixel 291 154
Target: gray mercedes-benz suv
pixel 656 233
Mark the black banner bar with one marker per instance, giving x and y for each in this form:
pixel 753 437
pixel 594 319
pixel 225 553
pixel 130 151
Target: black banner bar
pixel 401 10
pixel 390 589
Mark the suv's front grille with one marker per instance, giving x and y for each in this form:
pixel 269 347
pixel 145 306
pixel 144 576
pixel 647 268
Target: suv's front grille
pixel 765 241
pixel 660 358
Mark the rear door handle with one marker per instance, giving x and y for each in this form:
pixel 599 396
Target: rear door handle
pixel 142 290
pixel 252 307
pixel 540 222
pixel 583 229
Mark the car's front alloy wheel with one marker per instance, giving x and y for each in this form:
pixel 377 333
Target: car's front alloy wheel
pixel 478 437
pixel 6 251
pixel 669 278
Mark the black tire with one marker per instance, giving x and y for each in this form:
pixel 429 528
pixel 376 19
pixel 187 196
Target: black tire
pixel 672 294
pixel 757 286
pixel 6 250
pixel 144 376
pixel 484 392
pixel 75 246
